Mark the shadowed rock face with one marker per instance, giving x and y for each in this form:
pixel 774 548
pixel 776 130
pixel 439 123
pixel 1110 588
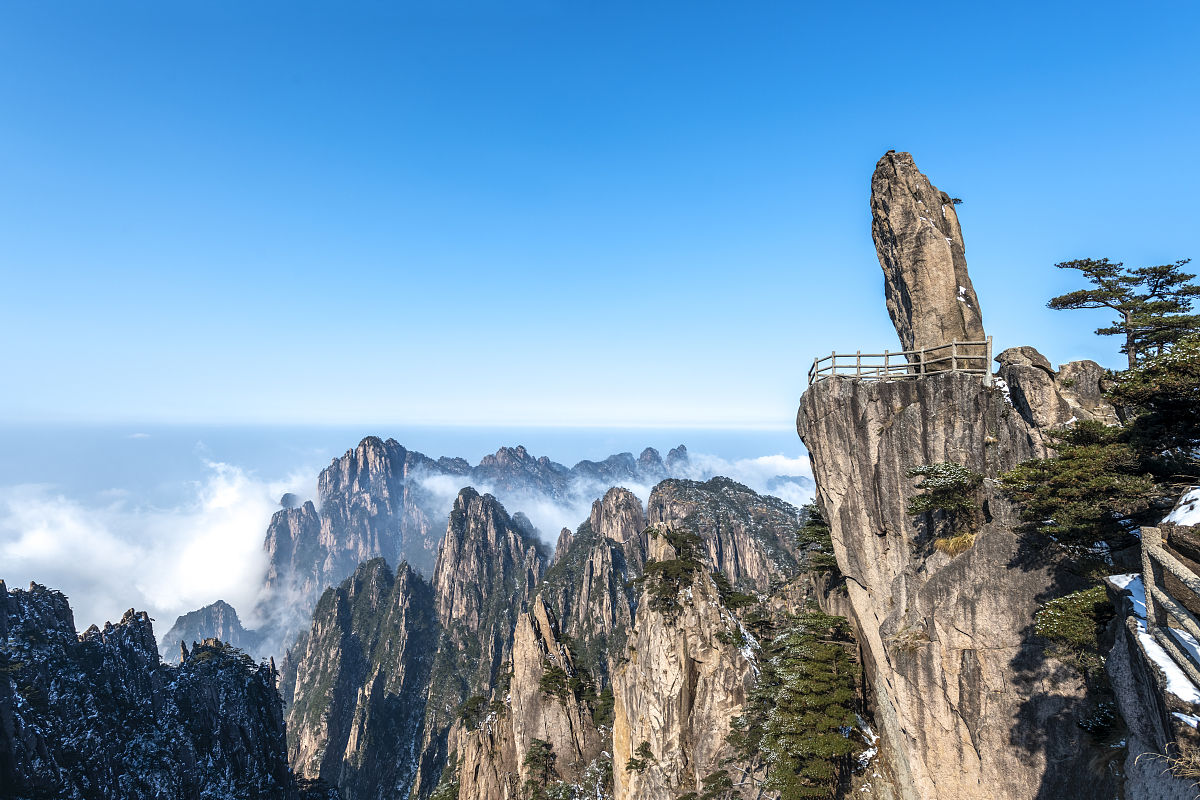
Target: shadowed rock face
pixel 920 247
pixel 99 716
pixel 683 682
pixel 968 705
pixel 749 537
pixel 359 696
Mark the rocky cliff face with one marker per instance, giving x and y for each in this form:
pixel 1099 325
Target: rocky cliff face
pixel 589 583
pixel 523 661
pixel 374 502
pixel 967 703
pixel 487 570
pixel 920 247
pixel 98 716
pixel 543 707
pixel 751 538
pixel 359 699
pixel 683 683
pixel 1047 398
pixel 216 621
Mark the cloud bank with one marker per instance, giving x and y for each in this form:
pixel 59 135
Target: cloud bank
pixel 785 477
pixel 109 553
pixel 113 554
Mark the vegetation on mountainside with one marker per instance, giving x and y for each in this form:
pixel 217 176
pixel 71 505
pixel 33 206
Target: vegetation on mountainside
pixel 641 758
pixel 448 784
pixel 952 490
pixel 1103 477
pixel 539 760
pixel 591 645
pixel 815 538
pixel 1073 625
pixel 797 735
pixel 1082 493
pixel 664 580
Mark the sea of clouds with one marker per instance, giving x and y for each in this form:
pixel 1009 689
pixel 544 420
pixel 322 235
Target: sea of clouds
pixel 109 552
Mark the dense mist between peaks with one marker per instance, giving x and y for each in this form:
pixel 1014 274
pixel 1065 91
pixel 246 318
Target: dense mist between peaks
pixel 111 550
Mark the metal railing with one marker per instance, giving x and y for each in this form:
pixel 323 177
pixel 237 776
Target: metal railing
pixel 972 357
pixel 1161 608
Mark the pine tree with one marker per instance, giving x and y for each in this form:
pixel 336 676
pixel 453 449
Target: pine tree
pixel 1152 303
pixel 800 717
pixel 539 760
pixel 1082 493
pixel 1162 395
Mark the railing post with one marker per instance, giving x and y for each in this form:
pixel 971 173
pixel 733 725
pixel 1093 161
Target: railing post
pixel 1152 577
pixel 887 372
pixel 858 364
pixel 987 364
pixel 954 356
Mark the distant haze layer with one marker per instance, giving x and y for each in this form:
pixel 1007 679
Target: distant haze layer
pixel 168 519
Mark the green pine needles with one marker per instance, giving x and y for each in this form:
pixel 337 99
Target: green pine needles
pixel 798 736
pixel 952 490
pixel 1082 493
pixel 1152 304
pixel 1073 625
pixel 816 540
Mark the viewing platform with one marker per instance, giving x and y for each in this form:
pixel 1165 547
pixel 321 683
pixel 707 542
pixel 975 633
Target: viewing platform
pixel 970 357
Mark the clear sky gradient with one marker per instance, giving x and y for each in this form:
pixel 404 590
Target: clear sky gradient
pixel 548 212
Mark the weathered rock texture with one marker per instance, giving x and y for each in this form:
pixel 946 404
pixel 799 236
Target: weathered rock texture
pixel 920 247
pixel 359 692
pixel 749 537
pixel 99 716
pixel 487 569
pixel 683 683
pixel 1146 707
pixel 589 585
pixel 967 703
pixel 376 502
pixel 1048 399
pixel 489 754
pixel 216 621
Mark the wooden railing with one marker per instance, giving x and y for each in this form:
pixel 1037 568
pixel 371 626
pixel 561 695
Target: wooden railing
pixel 972 357
pixel 1161 607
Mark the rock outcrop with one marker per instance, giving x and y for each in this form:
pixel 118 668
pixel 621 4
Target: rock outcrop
pixel 98 715
pixel 490 750
pixel 968 705
pixel 1049 399
pixel 751 538
pixel 358 703
pixel 216 621
pixel 589 585
pixel 376 501
pixel 487 569
pixel 674 698
pixel 920 247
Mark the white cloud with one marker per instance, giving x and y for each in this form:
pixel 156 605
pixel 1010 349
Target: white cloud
pixel 779 475
pixel 111 555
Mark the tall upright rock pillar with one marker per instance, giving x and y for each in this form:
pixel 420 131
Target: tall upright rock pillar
pixel 920 247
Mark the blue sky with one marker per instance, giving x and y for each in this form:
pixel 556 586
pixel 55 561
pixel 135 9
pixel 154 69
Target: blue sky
pixel 548 212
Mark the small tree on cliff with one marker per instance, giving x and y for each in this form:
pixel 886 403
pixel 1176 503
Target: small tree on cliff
pixel 799 723
pixel 953 490
pixel 539 760
pixel 1152 303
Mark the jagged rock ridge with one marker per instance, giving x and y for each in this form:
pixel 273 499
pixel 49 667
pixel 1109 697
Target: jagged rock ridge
pixel 524 661
pixel 216 621
pixel 98 715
